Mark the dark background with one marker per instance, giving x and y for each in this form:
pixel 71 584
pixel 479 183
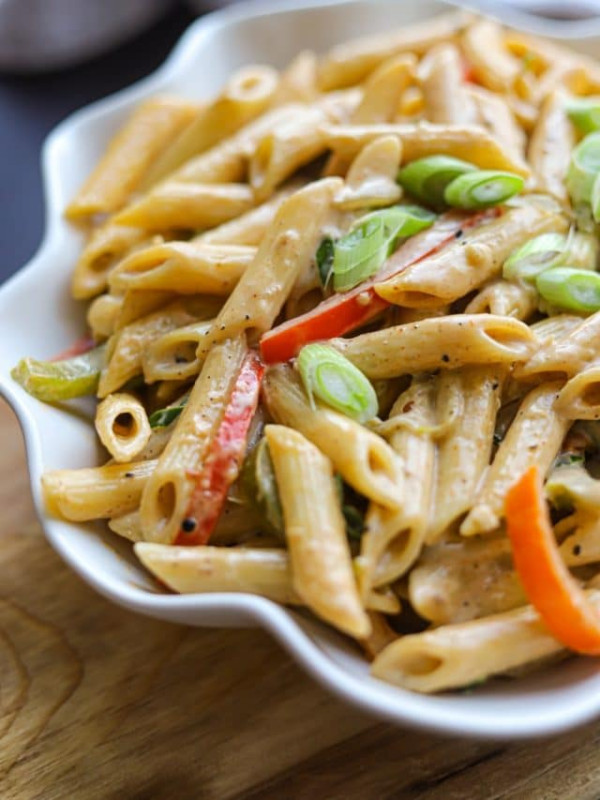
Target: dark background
pixel 31 105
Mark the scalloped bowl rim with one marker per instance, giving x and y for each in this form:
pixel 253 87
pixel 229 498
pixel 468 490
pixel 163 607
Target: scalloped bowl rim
pixel 307 641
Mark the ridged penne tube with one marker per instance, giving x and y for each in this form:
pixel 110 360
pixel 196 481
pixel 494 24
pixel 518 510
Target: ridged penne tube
pixel 129 155
pixel 470 579
pixel 552 329
pixel 174 355
pixel 505 299
pixel 580 397
pixel 298 81
pixel 288 247
pixel 351 62
pixel 464 452
pixel 582 545
pixel 371 178
pixel 439 342
pixel 315 531
pixel 179 204
pixel 80 495
pixel 363 459
pixel 127 346
pixel 493 65
pixel 250 228
pixel 227 161
pixel 572 485
pixel 383 90
pixel 472 261
pixel 565 355
pixel 469 142
pixel 107 245
pixel 183 267
pixel 103 314
pixel 552 56
pixel 381 635
pixel 245 96
pixel 496 115
pixel 534 438
pixel 381 97
pixel 122 425
pixel 459 655
pixel 290 145
pixel 168 493
pixel 394 537
pixel 197 570
pixel 447 100
pixel 127 526
pixel 551 145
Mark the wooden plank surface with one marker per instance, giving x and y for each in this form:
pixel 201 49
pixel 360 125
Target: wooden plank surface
pixel 98 703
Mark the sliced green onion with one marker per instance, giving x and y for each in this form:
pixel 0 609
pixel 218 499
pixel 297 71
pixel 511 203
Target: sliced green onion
pixel 324 257
pixel 259 487
pixel 427 178
pixel 583 169
pixel 361 252
pixel 53 381
pixel 482 189
pixel 595 199
pixel 330 377
pixel 584 113
pixel 550 250
pixel 533 257
pixel 165 416
pixel 570 289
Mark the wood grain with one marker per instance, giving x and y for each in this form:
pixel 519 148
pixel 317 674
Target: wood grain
pixel 96 702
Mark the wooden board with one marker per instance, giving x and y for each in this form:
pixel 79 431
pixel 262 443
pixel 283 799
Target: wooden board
pixel 96 702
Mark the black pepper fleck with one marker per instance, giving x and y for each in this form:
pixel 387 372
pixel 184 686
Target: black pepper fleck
pixel 188 525
pixel 458 233
pixel 445 358
pixel 129 474
pixel 577 550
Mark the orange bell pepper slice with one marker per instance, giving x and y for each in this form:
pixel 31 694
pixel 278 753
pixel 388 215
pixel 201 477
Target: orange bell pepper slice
pixel 550 587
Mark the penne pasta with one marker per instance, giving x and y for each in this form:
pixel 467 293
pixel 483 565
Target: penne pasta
pixel 534 437
pixel 456 581
pixel 131 152
pixel 283 254
pixel 494 112
pixel 320 560
pixel 492 64
pixel 394 537
pixel 244 97
pixel 122 426
pixel 464 451
pixel 550 146
pixel 447 100
pixel 371 178
pixel 182 204
pixel 565 355
pixel 96 492
pixel 174 355
pixel 439 343
pixel 580 396
pixel 351 62
pixel 505 299
pixel 472 261
pixel 468 652
pixel 168 493
pixel 363 459
pixel 468 142
pixel 183 267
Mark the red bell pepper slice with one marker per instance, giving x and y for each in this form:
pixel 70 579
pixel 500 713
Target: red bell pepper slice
pixel 347 311
pixel 223 463
pixel 558 599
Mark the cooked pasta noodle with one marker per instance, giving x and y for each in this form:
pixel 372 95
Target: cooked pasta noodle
pixel 339 314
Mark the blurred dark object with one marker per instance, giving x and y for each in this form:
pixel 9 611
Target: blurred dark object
pixel 48 34
pixel 30 106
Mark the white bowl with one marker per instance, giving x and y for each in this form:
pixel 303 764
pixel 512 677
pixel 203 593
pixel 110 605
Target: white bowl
pixel 38 318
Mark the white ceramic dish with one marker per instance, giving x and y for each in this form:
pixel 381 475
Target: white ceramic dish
pixel 38 318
